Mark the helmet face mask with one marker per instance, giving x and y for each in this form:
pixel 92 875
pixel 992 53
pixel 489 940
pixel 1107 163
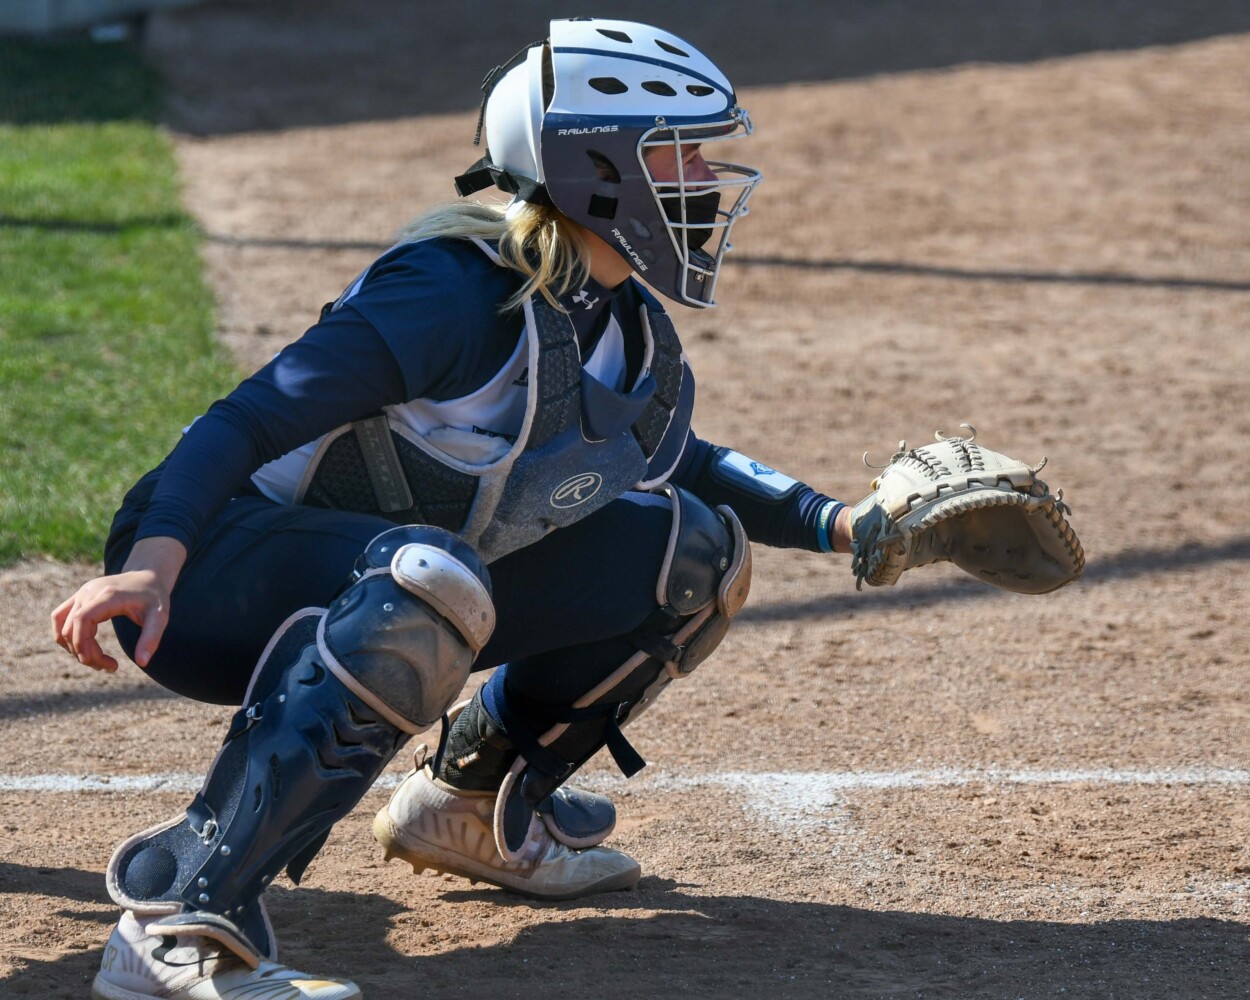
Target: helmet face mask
pixel 574 121
pixel 700 213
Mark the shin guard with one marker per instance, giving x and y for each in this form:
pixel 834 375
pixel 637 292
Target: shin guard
pixel 334 696
pixel 703 583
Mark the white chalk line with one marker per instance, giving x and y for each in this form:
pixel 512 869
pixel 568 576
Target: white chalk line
pixel 815 800
pixel 805 784
pixel 788 799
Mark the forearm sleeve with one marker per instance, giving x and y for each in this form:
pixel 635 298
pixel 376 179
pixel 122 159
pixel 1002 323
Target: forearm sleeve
pixel 774 509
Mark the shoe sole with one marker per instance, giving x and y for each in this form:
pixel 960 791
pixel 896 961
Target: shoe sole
pixel 425 857
pixel 101 989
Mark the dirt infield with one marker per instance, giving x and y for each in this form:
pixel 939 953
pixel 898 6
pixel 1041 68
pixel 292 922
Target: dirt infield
pixel 934 791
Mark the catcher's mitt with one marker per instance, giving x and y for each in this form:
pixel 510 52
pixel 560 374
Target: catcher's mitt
pixel 988 514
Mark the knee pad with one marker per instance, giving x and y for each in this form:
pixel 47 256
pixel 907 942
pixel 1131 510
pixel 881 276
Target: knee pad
pixel 703 582
pixel 407 658
pixel 334 696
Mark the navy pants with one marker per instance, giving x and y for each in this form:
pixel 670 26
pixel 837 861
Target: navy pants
pixel 564 605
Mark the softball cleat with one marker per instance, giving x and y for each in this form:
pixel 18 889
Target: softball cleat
pixel 432 825
pixel 141 966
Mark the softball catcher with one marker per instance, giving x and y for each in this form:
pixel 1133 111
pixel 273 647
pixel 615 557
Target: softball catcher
pixel 432 481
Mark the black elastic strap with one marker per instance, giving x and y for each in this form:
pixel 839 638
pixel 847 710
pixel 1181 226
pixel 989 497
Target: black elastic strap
pixel 484 174
pixel 545 761
pixel 623 753
pixel 441 752
pixel 476 178
pixel 658 647
pixel 627 758
pixel 527 745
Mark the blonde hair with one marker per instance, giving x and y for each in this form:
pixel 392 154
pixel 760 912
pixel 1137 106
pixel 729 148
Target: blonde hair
pixel 537 241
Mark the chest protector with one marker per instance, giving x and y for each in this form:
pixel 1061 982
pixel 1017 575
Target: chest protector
pixel 581 445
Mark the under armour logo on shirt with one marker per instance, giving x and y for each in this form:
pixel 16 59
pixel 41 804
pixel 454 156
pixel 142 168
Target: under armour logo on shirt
pixel 584 298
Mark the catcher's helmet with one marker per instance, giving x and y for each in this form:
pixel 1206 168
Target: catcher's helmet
pixel 569 120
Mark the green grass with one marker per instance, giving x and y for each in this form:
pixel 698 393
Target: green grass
pixel 106 326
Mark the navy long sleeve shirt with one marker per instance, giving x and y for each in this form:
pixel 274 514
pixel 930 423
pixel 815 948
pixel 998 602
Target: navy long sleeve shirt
pixel 424 323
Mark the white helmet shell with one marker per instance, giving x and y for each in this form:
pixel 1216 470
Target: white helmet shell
pixel 514 118
pixel 632 70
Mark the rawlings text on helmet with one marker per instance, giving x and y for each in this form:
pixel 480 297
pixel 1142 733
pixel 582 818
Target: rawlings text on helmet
pixel 637 261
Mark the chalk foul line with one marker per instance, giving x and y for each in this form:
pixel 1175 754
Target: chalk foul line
pixel 807 784
pixel 814 800
pixel 793 800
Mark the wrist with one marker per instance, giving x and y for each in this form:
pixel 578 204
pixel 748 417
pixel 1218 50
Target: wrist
pixel 841 533
pixel 826 526
pixel 161 556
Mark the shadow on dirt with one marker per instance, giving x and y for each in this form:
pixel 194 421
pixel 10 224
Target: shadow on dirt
pixel 13 706
pixel 314 62
pixel 66 884
pixel 698 946
pixel 1123 565
pixel 900 268
pixel 90 226
pixel 910 270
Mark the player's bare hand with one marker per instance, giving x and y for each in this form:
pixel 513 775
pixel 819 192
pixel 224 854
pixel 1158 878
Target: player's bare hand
pixel 139 592
pixel 138 595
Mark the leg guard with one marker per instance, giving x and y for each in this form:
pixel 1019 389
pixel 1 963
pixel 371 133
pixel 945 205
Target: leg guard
pixel 703 583
pixel 334 696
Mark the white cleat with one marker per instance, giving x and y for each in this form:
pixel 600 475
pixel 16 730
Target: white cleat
pixel 140 966
pixel 430 824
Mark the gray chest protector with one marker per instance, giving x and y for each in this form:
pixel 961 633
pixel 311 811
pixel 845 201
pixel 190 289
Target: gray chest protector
pixel 581 445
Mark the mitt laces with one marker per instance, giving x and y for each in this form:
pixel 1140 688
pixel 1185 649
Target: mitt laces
pixel 969 459
pixel 905 452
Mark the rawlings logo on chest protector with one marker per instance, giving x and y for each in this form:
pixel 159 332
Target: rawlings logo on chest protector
pixel 576 489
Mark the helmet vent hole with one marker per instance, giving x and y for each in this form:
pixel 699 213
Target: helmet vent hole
pixel 671 48
pixel 608 85
pixel 605 169
pixel 698 90
pixel 659 87
pixel 601 207
pixel 616 36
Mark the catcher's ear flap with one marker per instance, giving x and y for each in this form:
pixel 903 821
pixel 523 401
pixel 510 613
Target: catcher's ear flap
pixel 1028 551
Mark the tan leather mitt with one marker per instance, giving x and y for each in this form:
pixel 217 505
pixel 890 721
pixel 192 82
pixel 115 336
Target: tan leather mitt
pixel 955 501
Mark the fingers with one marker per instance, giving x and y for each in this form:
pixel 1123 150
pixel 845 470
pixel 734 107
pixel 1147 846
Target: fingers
pixel 59 614
pixel 80 633
pixel 135 595
pixel 150 637
pixel 77 620
pixel 91 655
